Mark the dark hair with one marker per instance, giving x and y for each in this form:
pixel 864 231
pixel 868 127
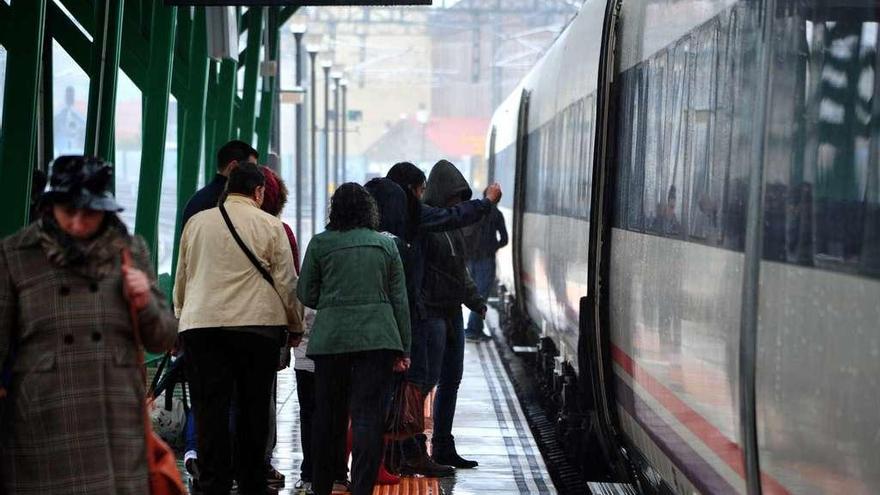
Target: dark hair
pixel 244 179
pixel 352 207
pixel 407 175
pixel 235 150
pixel 276 192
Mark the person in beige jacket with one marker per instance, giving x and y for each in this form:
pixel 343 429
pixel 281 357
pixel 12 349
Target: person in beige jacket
pixel 233 321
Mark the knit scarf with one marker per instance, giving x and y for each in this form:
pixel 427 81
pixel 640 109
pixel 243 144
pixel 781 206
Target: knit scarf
pixel 94 258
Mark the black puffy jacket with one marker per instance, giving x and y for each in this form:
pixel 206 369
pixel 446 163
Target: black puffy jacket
pixel 447 284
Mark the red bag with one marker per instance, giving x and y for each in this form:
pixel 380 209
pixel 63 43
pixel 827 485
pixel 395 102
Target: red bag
pixel 406 416
pixel 162 466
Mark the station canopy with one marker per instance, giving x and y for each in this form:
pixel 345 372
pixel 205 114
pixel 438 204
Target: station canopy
pixel 323 3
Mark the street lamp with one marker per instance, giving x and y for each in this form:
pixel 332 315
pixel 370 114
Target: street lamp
pixel 326 65
pixel 313 46
pixel 344 84
pixel 298 29
pixel 336 75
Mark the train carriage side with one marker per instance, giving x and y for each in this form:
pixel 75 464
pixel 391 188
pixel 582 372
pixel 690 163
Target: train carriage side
pixel 706 139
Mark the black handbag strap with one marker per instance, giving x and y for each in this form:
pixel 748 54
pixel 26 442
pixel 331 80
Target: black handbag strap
pixel 260 268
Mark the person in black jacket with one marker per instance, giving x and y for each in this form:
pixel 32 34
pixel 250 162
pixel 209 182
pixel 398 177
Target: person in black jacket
pixel 446 286
pixel 228 157
pixel 423 220
pixel 483 240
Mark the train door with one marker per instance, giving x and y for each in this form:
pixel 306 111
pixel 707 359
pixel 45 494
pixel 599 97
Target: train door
pixel 522 136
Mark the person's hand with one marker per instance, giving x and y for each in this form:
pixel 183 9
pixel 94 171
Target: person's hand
pixel 401 365
pixel 294 339
pixel 493 192
pixel 136 287
pixel 284 358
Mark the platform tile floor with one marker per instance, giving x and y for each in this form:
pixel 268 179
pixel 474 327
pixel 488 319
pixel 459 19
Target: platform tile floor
pixel 489 427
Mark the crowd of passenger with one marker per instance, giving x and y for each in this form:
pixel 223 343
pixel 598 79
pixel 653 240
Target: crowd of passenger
pixel 375 309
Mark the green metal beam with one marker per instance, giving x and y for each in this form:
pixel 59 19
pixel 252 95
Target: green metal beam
pixel 155 121
pixel 4 22
pixel 100 120
pixel 267 99
pixel 69 36
pixel 225 97
pixel 190 145
pixel 210 121
pixel 251 71
pixel 18 139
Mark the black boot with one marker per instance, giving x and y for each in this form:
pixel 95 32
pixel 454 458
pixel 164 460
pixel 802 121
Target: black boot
pixel 416 460
pixel 444 453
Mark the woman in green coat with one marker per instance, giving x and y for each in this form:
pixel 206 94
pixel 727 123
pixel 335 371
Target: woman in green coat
pixel 353 276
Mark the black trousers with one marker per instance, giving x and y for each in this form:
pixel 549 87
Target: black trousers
pixel 217 359
pixel 357 383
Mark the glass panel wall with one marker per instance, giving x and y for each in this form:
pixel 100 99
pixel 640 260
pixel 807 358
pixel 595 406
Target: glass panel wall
pixel 128 139
pixel 70 98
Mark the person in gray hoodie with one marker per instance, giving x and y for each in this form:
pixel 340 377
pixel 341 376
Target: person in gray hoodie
pixel 446 286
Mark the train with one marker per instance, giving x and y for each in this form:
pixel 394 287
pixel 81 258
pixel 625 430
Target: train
pixel 695 218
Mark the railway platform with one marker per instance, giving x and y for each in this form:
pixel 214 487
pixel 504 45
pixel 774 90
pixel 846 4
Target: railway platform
pixel 490 427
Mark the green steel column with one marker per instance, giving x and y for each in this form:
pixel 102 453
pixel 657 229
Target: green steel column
pixel 210 122
pixel 156 92
pixel 270 86
pixel 251 71
pixel 100 120
pixel 18 140
pixel 190 148
pixel 224 101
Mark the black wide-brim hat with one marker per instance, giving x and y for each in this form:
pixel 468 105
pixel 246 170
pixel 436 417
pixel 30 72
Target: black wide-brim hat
pixel 81 182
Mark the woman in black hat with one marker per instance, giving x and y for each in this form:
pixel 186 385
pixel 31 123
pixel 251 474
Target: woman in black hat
pixel 73 419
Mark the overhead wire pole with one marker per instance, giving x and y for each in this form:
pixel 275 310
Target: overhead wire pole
pixel 313 157
pixel 298 153
pixel 336 95
pixel 100 119
pixel 18 140
pixel 326 66
pixel 344 131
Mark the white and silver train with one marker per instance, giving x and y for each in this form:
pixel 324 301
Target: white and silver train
pixel 696 240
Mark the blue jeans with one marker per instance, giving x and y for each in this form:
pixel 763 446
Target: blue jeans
pixel 450 378
pixel 426 352
pixel 483 272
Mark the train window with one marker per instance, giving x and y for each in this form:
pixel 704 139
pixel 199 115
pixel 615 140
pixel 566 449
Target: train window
pixel 70 95
pixel 128 147
pixel 822 207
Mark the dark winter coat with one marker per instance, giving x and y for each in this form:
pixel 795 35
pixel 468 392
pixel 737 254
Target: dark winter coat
pixel 447 284
pixel 484 238
pixel 393 219
pixel 205 198
pixel 74 416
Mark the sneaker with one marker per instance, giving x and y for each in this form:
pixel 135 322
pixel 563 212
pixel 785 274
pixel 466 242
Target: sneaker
pixel 341 486
pixel 303 488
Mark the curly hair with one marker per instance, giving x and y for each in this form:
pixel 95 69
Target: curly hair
pixel 352 207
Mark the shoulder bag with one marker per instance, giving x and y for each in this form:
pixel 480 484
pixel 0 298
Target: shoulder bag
pixel 164 478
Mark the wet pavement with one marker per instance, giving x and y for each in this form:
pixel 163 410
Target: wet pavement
pixel 489 427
